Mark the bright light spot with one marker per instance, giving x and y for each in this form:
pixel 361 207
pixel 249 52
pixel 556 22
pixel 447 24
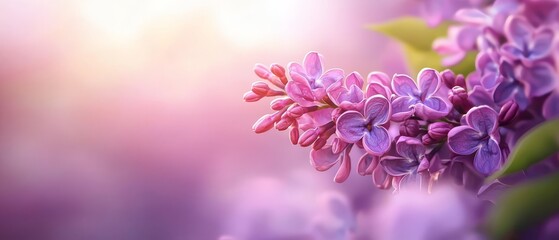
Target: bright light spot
pixel 250 22
pixel 124 20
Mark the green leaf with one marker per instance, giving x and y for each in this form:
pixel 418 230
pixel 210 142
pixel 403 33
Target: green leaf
pixel 538 144
pixel 417 38
pixel 524 206
pixel 412 31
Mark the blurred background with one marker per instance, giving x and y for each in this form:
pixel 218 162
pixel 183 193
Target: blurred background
pixel 124 119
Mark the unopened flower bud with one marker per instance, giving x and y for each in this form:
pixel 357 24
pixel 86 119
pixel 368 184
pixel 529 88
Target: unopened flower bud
pixel 448 78
pixel 308 137
pixel 279 71
pixel 260 88
pixel 427 140
pixel 451 80
pixel 252 97
pixel 508 112
pixel 439 130
pixel 284 123
pixel 265 123
pixel 280 103
pixel 296 111
pixel 294 134
pixel 263 73
pixel 460 81
pixel 410 128
pixel 319 143
pixel 458 96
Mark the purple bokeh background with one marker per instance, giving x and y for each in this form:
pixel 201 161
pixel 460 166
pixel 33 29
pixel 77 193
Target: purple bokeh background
pixel 124 119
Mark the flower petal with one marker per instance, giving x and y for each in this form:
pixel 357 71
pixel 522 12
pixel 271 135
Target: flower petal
pixel 432 108
pixel 330 77
pixel 367 163
pixel 518 30
pixel 354 78
pixel 429 81
pixel 410 148
pixel 399 166
pixel 377 110
pixel 542 43
pixel 378 77
pixel 350 126
pixel 511 51
pixel 402 108
pixel 323 159
pixel 375 88
pixel 300 93
pixel 381 179
pixel 296 68
pixel 505 91
pixel 540 78
pixel 403 85
pixel 377 141
pixel 488 157
pixel 464 140
pixel 473 16
pixel 345 168
pixel 483 119
pixel 313 65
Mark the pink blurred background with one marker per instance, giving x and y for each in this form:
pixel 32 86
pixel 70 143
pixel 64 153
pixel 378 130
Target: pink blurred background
pixel 124 119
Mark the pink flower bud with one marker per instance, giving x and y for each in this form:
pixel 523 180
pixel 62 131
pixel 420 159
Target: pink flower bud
pixel 252 97
pixel 265 123
pixel 410 128
pixel 294 134
pixel 296 111
pixel 308 137
pixel 439 130
pixel 508 112
pixel 319 143
pixel 284 123
pixel 260 88
pixel 279 71
pixel 262 71
pixel 280 103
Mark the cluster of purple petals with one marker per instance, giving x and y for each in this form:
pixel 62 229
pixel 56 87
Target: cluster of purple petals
pixel 516 70
pixel 407 132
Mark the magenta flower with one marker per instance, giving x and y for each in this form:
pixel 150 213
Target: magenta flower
pixel 480 136
pixel 309 83
pixel 410 162
pixel 526 43
pixel 353 126
pixel 347 94
pixel 421 101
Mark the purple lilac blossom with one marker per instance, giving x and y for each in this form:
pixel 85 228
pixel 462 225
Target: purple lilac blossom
pixel 353 126
pixel 525 42
pixel 419 100
pixel 309 83
pixel 480 136
pixel 408 164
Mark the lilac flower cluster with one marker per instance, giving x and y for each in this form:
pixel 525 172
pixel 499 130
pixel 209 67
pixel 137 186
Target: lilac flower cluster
pixel 407 132
pixel 441 125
